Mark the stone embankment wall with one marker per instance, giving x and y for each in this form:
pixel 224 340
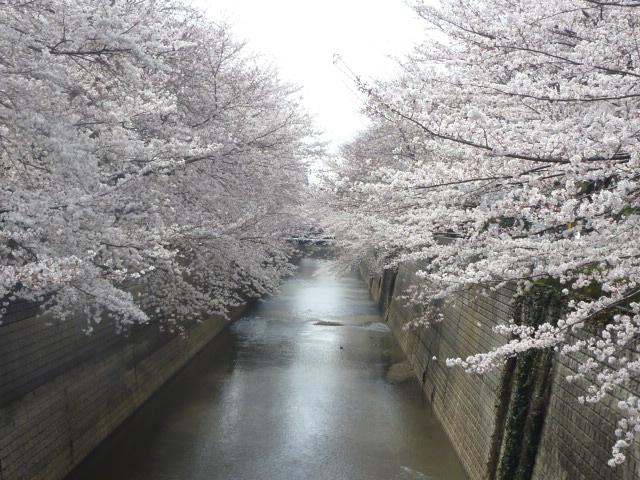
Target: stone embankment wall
pixel 520 422
pixel 62 391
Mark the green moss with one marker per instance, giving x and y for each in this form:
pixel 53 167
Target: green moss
pixel 501 417
pixel 629 210
pixel 538 401
pixel 529 388
pixel 517 417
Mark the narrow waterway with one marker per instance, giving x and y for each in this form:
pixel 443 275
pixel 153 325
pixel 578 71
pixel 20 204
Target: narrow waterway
pixel 296 390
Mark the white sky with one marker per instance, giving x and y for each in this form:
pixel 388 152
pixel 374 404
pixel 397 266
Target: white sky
pixel 300 37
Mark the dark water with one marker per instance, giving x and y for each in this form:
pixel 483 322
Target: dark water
pixel 279 396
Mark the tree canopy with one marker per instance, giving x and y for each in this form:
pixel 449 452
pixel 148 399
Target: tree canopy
pixel 141 144
pixel 507 152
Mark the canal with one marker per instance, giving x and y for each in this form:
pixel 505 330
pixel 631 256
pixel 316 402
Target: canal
pixel 296 390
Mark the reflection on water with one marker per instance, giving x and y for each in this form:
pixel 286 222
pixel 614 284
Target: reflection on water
pixel 297 390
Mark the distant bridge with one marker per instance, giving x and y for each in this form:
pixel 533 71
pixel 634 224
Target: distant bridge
pixel 320 241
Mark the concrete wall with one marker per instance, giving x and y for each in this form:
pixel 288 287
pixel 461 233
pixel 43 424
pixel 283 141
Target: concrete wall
pixel 522 421
pixel 62 391
pixel 576 440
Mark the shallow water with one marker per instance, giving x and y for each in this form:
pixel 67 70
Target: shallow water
pixel 296 390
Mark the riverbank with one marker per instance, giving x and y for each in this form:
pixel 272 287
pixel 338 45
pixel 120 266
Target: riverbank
pixel 522 421
pixel 62 392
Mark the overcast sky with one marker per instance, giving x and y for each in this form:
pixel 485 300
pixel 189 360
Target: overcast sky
pixel 301 36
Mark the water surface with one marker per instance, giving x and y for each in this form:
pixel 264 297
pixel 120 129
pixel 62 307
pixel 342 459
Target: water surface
pixel 296 390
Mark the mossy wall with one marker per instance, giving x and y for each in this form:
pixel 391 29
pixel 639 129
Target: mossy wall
pixel 519 422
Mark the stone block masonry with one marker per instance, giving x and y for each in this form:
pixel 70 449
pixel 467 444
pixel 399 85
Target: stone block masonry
pixel 576 439
pixel 62 391
pixel 520 422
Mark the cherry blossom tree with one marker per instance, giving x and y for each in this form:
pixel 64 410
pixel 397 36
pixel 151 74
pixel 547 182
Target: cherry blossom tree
pixel 141 149
pixel 507 152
